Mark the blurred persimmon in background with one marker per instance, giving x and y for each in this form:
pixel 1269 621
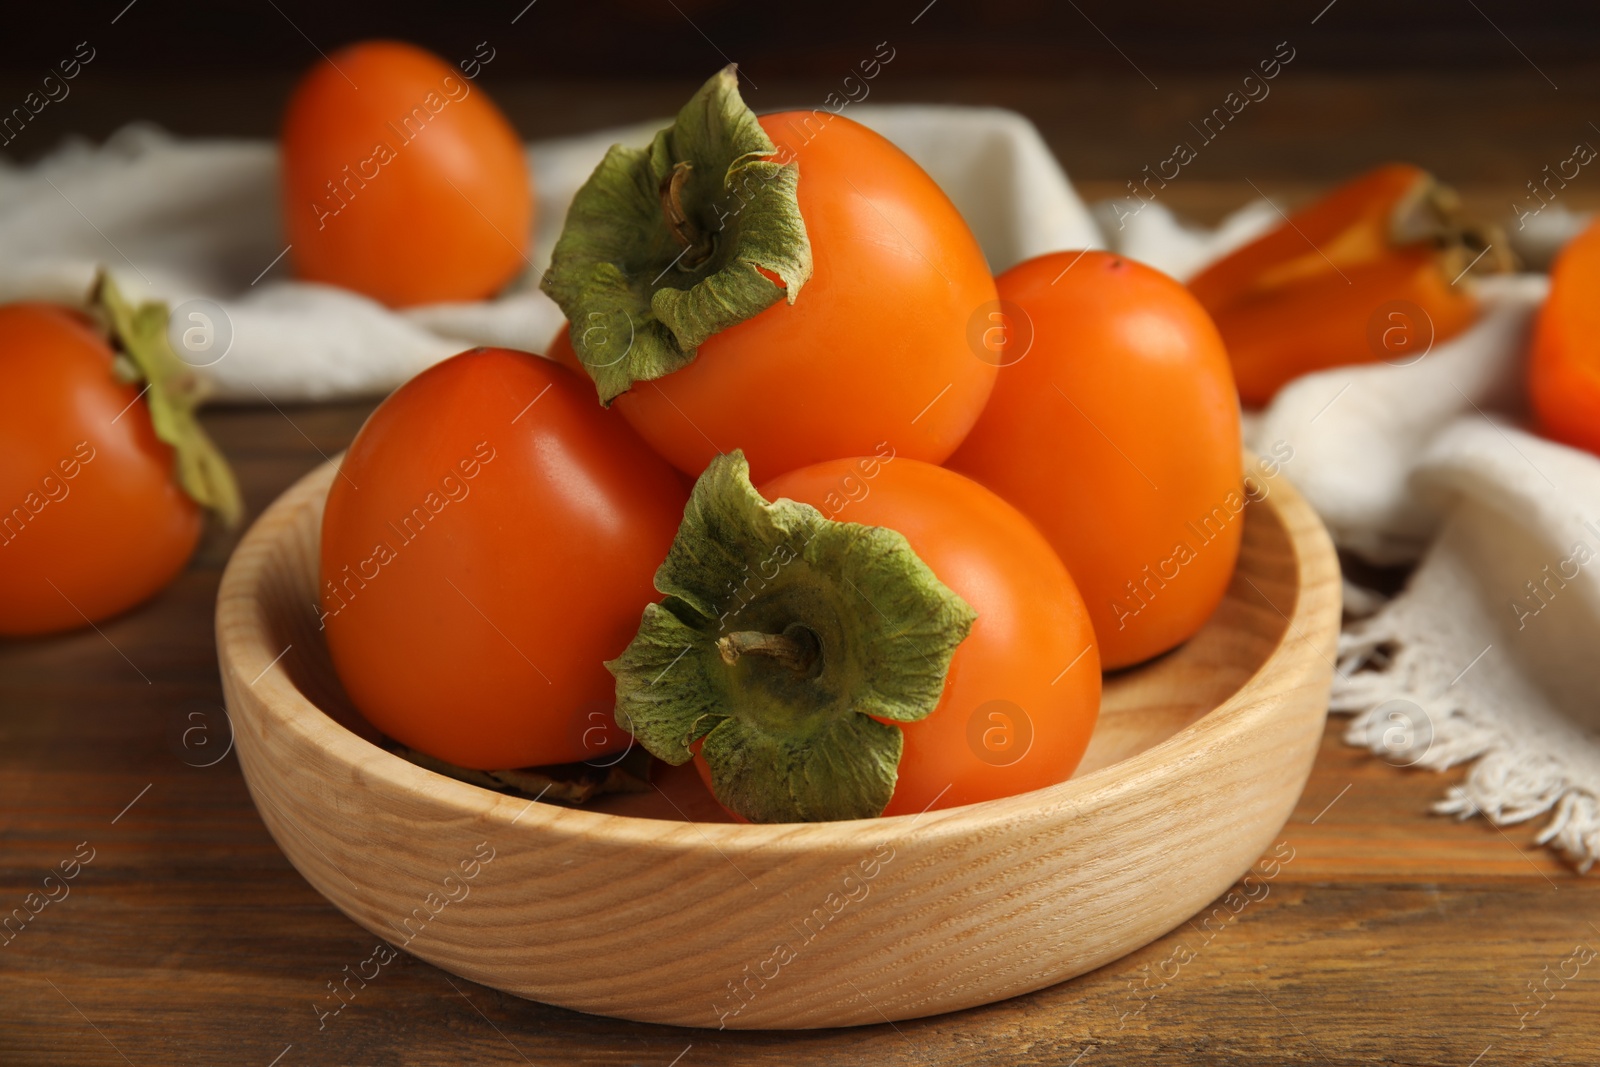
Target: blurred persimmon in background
pixel 402 180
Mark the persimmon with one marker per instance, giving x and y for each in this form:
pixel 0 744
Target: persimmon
pixel 402 180
pixel 1114 426
pixel 1371 271
pixel 865 636
pixel 487 545
pixel 106 470
pixel 792 285
pixel 1564 369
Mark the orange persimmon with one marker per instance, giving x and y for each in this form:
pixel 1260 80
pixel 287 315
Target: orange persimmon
pixel 402 180
pixel 1371 271
pixel 1116 430
pixel 489 542
pixel 1564 370
pixel 77 438
pixel 105 470
pixel 792 285
pixel 867 636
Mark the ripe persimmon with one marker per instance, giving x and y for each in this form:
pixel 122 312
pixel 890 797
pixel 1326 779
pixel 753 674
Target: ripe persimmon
pixel 792 285
pixel 402 180
pixel 874 635
pixel 487 545
pixel 1372 271
pixel 1564 370
pixel 1116 430
pixel 105 469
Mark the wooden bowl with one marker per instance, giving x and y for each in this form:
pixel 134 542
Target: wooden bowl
pixel 629 910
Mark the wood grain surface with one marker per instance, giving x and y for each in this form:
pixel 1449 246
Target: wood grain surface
pixel 1392 936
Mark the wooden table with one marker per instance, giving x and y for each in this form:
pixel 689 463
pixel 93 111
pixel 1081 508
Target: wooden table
pixel 1393 936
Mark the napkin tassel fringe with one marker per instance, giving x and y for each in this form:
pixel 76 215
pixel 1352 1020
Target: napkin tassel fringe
pixel 1407 713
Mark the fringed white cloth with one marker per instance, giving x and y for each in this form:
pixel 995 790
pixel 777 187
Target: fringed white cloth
pixel 1492 652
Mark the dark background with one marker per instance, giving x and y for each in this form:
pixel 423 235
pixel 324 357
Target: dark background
pixel 634 39
pixel 1485 92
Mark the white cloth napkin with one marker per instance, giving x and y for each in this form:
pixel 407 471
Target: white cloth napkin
pixel 1490 653
pixel 1422 461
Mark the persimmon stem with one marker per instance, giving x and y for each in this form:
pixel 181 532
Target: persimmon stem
pixel 697 246
pixel 798 650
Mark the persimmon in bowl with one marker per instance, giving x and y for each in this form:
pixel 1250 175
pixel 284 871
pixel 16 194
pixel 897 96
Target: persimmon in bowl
pixel 654 907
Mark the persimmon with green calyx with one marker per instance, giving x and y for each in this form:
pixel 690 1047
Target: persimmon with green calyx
pixel 488 544
pixel 402 180
pixel 931 651
pixel 792 285
pixel 106 470
pixel 1116 430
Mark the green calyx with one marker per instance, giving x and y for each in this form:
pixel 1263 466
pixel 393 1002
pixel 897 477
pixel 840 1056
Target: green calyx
pixel 666 246
pixel 173 393
pixel 785 637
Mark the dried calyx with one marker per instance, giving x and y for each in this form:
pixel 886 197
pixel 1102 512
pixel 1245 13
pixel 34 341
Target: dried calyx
pixel 1432 213
pixel 173 393
pixel 668 245
pixel 787 645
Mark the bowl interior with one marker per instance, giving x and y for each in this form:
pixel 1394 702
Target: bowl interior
pixel 1142 706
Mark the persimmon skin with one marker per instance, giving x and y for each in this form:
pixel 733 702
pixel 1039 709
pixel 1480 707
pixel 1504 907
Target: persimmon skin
pixel 1348 226
pixel 94 522
pixel 1032 644
pixel 1117 433
pixel 1564 368
pixel 1300 298
pixel 1277 336
pixel 875 346
pixel 480 636
pixel 443 214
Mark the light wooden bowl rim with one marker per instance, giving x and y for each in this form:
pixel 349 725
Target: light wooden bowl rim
pixel 249 656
